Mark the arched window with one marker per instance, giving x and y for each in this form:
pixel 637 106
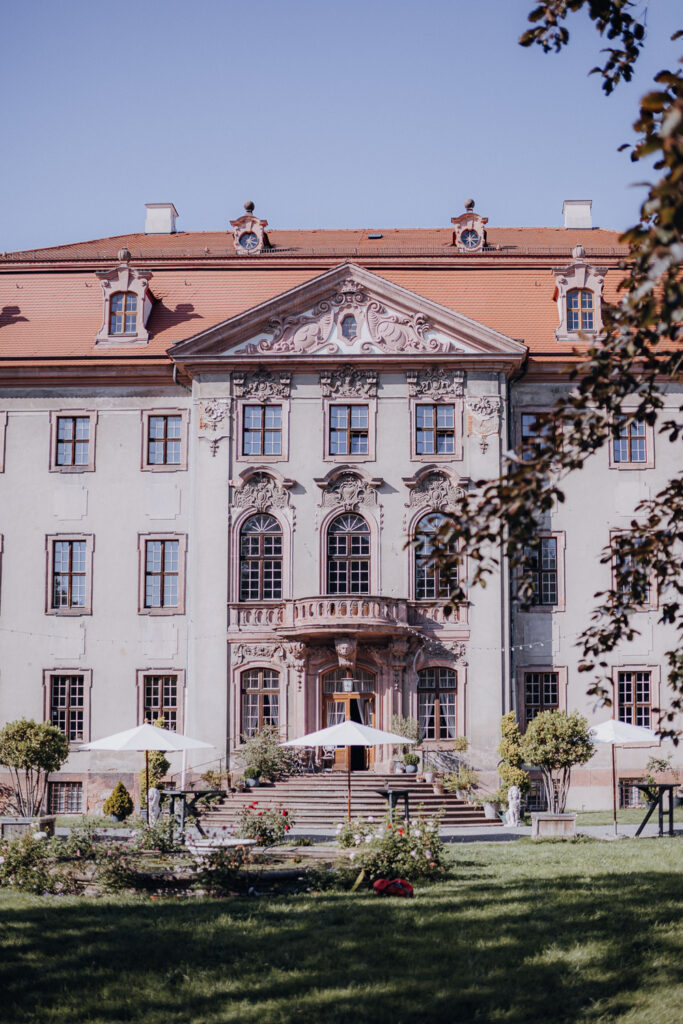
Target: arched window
pixel 123 313
pixel 580 310
pixel 261 559
pixel 260 700
pixel 348 555
pixel 349 328
pixel 431 582
pixel 436 691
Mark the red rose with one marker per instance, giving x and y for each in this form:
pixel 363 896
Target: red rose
pixel 284 814
pixel 286 828
pixel 259 814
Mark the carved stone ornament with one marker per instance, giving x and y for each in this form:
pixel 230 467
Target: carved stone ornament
pixel 257 652
pixel 262 385
pixel 455 650
pixel 249 233
pixel 296 658
pixel 582 275
pixel 350 492
pixel 213 412
pixel 346 648
pixel 436 491
pixel 484 417
pixel 315 330
pixel 260 492
pixel 348 382
pixel 435 383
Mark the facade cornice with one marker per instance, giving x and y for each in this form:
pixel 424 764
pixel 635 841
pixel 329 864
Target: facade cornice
pixel 82 374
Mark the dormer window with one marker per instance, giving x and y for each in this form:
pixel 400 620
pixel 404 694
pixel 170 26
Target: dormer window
pixel 349 328
pixel 123 313
pixel 127 304
pixel 580 310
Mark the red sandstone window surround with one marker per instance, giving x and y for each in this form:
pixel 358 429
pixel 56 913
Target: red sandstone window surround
pixel 261 430
pixel 69 574
pixel 634 445
pixel 65 797
pixel 165 440
pixel 634 697
pixel 348 555
pixel 66 699
pixel 436 696
pixel 123 313
pixel 260 698
pixel 161 694
pixel 261 559
pixel 72 441
pixel 162 574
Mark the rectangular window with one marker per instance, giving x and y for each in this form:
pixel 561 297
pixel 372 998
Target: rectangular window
pixel 544 570
pixel 73 441
pixel 260 700
pixel 633 580
pixel 541 693
pixel 631 444
pixel 629 794
pixel 538 434
pixel 261 430
pixel 69 572
pixel 161 573
pixel 164 440
pixel 436 701
pixel 435 429
pixel 67 705
pixel 635 697
pixel 349 430
pixel 65 797
pixel 161 694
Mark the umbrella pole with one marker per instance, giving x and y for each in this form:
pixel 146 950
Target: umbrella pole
pixel 614 788
pixel 348 782
pixel 147 785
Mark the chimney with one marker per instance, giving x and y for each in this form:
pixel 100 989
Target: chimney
pixel 577 213
pixel 160 218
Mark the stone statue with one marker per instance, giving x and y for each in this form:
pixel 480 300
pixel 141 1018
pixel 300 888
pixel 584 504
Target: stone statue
pixel 154 804
pixel 512 817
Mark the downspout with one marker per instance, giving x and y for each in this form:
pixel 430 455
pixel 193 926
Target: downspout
pixel 189 590
pixel 507 694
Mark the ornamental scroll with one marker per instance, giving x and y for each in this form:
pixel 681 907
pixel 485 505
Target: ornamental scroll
pixel 484 418
pixel 348 382
pixel 350 493
pixel 262 385
pixel 261 492
pixel 214 421
pixel 435 383
pixel 258 652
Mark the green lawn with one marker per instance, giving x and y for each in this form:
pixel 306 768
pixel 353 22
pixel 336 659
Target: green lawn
pixel 629 816
pixel 518 932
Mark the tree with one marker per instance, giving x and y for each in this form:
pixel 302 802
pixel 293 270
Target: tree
pixel 31 750
pixel 640 348
pixel 555 741
pixel 510 767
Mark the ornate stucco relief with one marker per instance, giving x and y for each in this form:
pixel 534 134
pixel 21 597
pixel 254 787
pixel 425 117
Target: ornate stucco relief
pixel 242 653
pixel 484 418
pixel 262 385
pixel 350 492
pixel 435 491
pixel 578 274
pixel 261 492
pixel 348 382
pixel 435 383
pixel 454 650
pixel 214 421
pixel 295 655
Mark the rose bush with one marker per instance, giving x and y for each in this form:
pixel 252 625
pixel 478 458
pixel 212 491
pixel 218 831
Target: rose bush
pixel 353 833
pixel 268 826
pixel 410 850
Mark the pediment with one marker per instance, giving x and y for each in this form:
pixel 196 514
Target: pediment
pixel 348 312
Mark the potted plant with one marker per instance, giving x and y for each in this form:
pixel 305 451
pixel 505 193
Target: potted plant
pixel 463 782
pixel 251 776
pixel 438 783
pixel 118 804
pixel 411 762
pixel 409 728
pixel 31 750
pixel 429 774
pixel 554 742
pixel 263 753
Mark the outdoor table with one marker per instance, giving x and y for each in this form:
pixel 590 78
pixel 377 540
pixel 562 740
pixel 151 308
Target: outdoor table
pixel 657 801
pixel 187 800
pixel 392 797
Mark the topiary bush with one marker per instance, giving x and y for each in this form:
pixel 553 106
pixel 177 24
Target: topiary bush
pixel 119 803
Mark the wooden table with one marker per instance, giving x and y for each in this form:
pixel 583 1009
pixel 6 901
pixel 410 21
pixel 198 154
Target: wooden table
pixel 657 801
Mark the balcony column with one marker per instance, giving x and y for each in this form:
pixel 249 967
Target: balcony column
pixel 296 657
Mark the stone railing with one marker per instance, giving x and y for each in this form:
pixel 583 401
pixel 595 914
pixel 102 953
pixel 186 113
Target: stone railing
pixel 262 616
pixel 348 611
pixel 433 615
pixel 352 612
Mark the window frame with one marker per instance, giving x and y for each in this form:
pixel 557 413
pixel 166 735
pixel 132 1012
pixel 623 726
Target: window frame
pixel 439 596
pixel 78 787
pixel 283 402
pixel 164 467
pixel 261 691
pixel 546 414
pixel 652 602
pixel 261 559
pixel 50 540
pixel 143 539
pixel 349 557
pixel 48 675
pixel 437 457
pixel 655 688
pixel 649 462
pixel 562 684
pixel 3 435
pixel 580 310
pixel 560 604
pixel 349 402
pixel 74 414
pixel 436 690
pixel 141 676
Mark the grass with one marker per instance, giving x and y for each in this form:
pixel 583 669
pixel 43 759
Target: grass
pixel 517 933
pixel 628 816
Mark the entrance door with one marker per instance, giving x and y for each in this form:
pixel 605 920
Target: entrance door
pixel 357 706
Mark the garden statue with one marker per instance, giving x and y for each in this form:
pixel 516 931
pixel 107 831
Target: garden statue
pixel 154 804
pixel 512 818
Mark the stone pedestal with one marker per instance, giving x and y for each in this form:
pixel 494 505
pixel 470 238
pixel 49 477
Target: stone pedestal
pixel 546 825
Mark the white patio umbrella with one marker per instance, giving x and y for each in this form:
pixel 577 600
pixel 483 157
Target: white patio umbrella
pixel 145 737
pixel 348 734
pixel 615 733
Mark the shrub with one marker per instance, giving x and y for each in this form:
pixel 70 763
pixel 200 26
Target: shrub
pixel 219 872
pixel 460 744
pixel 464 779
pixel 408 727
pixel 267 826
pixel 119 803
pixel 263 754
pixel 79 843
pixel 163 835
pixel 25 864
pixel 352 833
pixel 410 850
pixel 510 767
pixel 31 750
pixel 251 772
pixel 411 758
pixel 115 867
pixel 555 741
pixel 213 779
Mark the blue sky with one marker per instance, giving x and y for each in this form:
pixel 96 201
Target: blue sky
pixel 365 113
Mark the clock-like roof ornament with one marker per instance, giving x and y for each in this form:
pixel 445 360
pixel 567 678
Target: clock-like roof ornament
pixel 249 233
pixel 469 234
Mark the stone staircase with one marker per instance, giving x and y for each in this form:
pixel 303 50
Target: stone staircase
pixel 319 801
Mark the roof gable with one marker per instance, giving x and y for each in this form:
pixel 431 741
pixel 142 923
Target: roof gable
pixel 308 320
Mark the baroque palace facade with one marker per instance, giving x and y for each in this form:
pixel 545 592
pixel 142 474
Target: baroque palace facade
pixel 216 447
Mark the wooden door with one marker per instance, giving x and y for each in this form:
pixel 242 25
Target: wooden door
pixel 350 707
